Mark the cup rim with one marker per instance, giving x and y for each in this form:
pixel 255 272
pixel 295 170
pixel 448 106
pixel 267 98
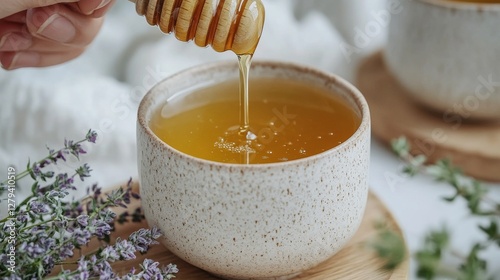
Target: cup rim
pixel 480 7
pixel 352 91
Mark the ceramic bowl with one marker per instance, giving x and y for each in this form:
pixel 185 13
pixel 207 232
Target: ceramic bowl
pixel 447 54
pixel 262 221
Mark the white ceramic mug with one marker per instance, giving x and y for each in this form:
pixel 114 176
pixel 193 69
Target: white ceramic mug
pixel 447 54
pixel 262 221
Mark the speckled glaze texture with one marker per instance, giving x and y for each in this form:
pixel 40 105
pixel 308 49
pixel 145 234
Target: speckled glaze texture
pixel 447 54
pixel 269 221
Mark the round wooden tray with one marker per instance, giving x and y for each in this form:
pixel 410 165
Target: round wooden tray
pixel 355 261
pixel 474 147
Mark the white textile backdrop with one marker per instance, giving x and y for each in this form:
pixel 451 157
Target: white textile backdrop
pixel 102 89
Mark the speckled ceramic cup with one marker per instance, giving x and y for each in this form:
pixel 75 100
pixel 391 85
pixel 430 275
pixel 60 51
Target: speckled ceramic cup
pixel 263 221
pixel 447 54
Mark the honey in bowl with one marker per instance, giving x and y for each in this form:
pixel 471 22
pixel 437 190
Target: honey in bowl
pixel 288 120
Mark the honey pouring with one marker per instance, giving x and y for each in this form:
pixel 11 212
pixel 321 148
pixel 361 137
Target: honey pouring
pixel 234 25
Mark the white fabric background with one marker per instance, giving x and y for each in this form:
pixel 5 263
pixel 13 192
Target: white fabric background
pixel 102 89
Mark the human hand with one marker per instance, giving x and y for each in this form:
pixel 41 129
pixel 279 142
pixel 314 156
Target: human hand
pixel 37 33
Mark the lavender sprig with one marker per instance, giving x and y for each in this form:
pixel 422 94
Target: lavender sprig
pixel 48 229
pixel 70 147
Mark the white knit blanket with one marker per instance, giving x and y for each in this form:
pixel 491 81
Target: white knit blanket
pixel 101 89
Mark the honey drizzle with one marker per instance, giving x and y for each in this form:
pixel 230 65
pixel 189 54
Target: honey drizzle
pixel 244 62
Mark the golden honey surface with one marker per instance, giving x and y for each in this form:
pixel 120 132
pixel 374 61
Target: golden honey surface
pixel 288 120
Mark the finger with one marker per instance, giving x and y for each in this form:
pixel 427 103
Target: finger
pixel 14 6
pixel 8 27
pixel 103 10
pixel 15 60
pixel 88 7
pixel 17 17
pixel 14 37
pixel 61 24
pixel 25 42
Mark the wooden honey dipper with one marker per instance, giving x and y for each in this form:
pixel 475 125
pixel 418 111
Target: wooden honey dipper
pixel 224 24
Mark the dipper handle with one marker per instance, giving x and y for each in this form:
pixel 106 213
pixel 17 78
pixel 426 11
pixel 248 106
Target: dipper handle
pixel 224 24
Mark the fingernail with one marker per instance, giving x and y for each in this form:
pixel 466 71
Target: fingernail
pixel 103 3
pixel 57 28
pixel 15 42
pixel 25 59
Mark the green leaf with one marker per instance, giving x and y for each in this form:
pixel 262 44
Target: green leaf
pixel 428 264
pixel 389 246
pixel 492 231
pixel 401 146
pixel 474 267
pixel 410 170
pixel 450 199
pixel 30 171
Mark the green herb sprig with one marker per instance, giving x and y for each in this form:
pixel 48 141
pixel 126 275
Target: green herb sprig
pixel 430 257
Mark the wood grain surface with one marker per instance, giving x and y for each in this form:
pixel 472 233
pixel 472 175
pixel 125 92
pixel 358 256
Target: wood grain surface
pixel 472 146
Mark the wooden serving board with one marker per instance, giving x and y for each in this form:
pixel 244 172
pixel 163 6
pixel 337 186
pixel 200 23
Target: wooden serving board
pixel 355 261
pixel 472 146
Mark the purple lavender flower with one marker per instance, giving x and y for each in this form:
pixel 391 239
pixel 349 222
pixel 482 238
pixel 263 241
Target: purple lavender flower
pixel 101 268
pixel 61 224
pixel 101 228
pixel 151 270
pixel 83 171
pixel 65 182
pixel 155 232
pixel 52 194
pixel 96 191
pixel 75 149
pixel 46 162
pixel 81 236
pixel 110 254
pixel 83 269
pixel 107 215
pixel 83 220
pixel 31 249
pixel 91 136
pixel 170 269
pixel 60 155
pixel 66 251
pixel 36 172
pixel 22 217
pixel 38 207
pixel 48 263
pixel 125 249
pixel 116 197
pixel 46 242
pixel 143 238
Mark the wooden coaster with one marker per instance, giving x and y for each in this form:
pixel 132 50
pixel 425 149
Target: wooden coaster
pixel 355 261
pixel 474 147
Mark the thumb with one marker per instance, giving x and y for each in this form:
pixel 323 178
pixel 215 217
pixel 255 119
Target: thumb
pixel 10 7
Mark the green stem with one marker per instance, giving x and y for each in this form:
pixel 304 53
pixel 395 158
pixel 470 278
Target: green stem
pixel 27 171
pixel 35 225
